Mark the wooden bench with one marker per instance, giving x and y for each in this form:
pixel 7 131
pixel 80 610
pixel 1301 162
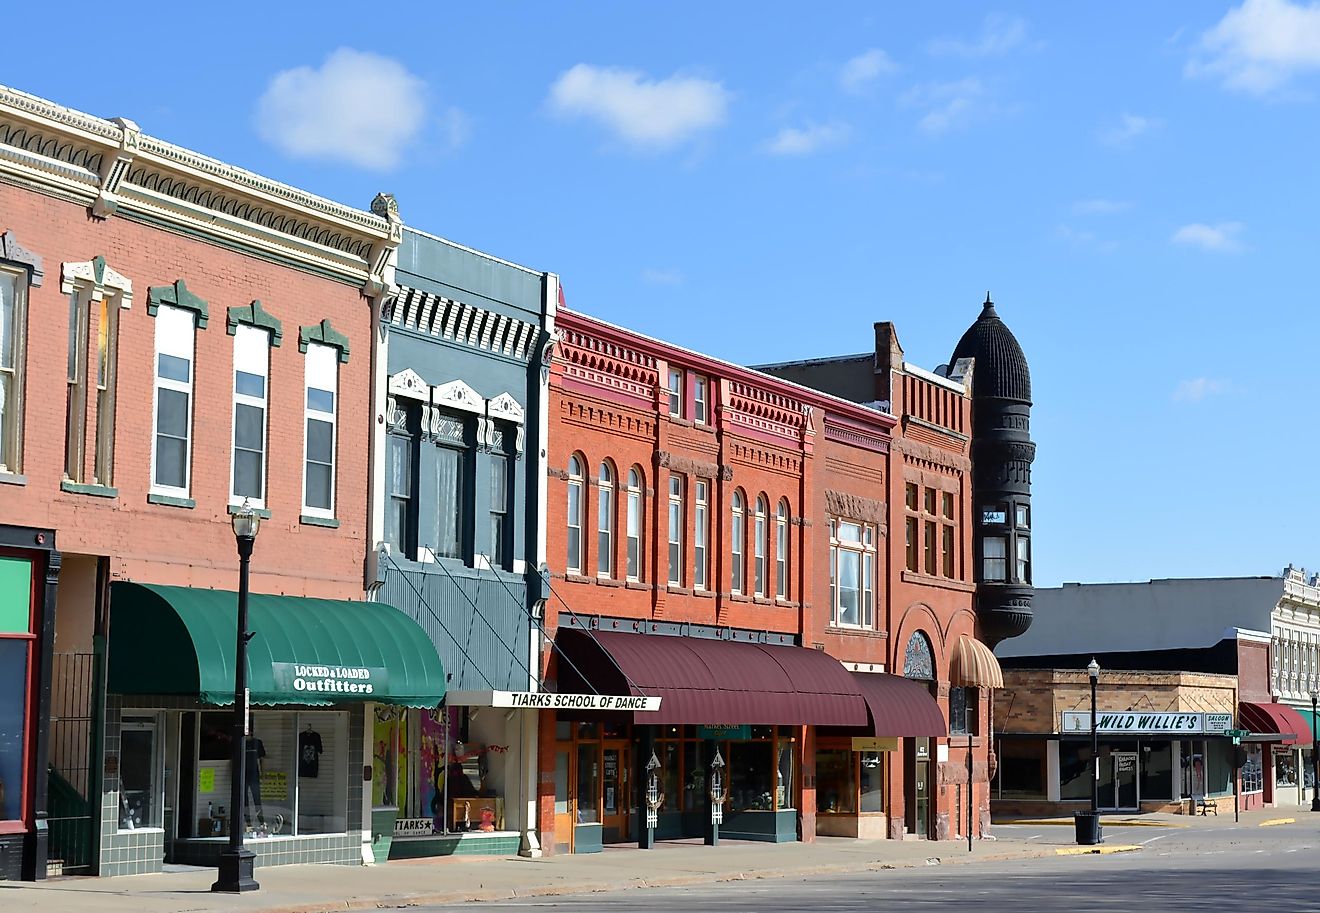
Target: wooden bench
pixel 1205 806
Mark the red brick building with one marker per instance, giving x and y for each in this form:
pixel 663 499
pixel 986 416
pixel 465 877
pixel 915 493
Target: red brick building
pixel 180 336
pixel 725 540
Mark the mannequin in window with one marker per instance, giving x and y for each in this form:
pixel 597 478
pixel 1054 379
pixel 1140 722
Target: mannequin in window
pixel 256 750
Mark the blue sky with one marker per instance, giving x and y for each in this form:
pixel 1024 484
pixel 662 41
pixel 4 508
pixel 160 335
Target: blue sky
pixel 1135 183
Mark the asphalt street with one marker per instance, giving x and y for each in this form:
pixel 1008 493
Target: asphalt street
pixel 1177 870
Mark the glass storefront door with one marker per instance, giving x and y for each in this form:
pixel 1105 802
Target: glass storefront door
pixel 1125 779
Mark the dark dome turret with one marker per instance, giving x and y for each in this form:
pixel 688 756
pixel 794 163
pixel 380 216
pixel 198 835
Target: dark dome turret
pixel 1001 368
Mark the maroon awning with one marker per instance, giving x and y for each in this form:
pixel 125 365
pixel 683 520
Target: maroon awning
pixel 900 706
pixel 1275 719
pixel 712 682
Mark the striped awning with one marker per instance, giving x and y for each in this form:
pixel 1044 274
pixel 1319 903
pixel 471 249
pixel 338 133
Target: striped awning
pixel 974 665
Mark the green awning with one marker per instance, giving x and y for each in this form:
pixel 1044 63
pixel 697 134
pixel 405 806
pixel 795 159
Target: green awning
pixel 180 641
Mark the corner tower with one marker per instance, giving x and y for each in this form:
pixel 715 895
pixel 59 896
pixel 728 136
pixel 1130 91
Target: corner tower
pixel 1002 454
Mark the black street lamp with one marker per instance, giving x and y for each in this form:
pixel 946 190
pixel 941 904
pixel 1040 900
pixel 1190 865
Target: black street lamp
pixel 236 862
pixel 1315 757
pixel 1093 670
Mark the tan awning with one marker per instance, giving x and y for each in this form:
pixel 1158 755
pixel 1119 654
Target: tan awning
pixel 974 665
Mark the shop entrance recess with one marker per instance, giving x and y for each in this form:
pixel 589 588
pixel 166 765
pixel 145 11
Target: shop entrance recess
pixel 616 801
pixel 917 775
pixel 1118 782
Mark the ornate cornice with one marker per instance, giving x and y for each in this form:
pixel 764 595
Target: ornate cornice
pixel 114 169
pixel 324 334
pixel 854 507
pixel 461 323
pixel 14 252
pixel 177 295
pixel 688 466
pixel 98 278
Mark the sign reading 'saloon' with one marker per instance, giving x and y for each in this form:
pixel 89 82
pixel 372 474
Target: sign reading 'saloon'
pixel 1142 721
pixel 304 678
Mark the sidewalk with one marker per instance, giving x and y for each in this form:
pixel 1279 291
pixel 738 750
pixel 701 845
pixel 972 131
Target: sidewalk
pixel 1256 816
pixel 314 889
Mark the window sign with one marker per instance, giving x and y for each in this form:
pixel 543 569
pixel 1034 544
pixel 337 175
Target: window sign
pixel 991 515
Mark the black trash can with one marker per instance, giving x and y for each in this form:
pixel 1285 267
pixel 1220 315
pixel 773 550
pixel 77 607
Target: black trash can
pixel 1088 828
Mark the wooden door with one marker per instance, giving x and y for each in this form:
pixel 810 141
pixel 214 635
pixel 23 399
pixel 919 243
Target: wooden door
pixel 616 792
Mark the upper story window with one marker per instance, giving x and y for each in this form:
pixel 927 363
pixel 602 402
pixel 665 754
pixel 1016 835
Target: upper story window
pixel 912 527
pixel 634 521
pixel 994 559
pixel 1022 516
pixel 737 541
pixel 1023 559
pixel 605 523
pixel 676 526
pixel 13 339
pixel 400 519
pixel 675 392
pixel 453 440
pixel 781 550
pixel 501 530
pixel 700 400
pixel 852 573
pixel 574 514
pixel 759 540
pixel 171 464
pixel 948 536
pixel 320 419
pixel 251 396
pixel 701 536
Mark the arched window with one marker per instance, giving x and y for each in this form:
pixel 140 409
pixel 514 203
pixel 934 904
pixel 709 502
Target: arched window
pixel 739 533
pixel 759 543
pixel 918 659
pixel 605 523
pixel 634 521
pixel 574 514
pixel 781 551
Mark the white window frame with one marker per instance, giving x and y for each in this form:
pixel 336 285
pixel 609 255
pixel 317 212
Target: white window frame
pixel 251 356
pixel 176 336
pixel 759 544
pixel 701 536
pixel 575 487
pixel 675 391
pixel 781 550
pixel 700 400
pixel 863 546
pixel 1022 559
pixel 11 434
pixel 738 533
pixel 605 521
pixel 633 559
pixel 675 575
pixel 1001 559
pixel 321 372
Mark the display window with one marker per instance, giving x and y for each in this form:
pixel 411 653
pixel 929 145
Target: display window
pixel 849 782
pixel 295 773
pixel 16 642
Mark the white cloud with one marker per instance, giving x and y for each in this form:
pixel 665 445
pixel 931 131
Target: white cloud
pixel 1086 240
pixel 455 127
pixel 1127 129
pixel 1100 207
pixel 357 107
pixel 949 105
pixel 1260 46
pixel 806 140
pixel 865 68
pixel 1222 237
pixel 999 35
pixel 644 112
pixel 653 276
pixel 1196 389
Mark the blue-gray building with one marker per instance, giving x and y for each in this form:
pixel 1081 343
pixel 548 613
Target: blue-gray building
pixel 458 494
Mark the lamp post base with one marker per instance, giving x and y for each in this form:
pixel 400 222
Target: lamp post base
pixel 236 868
pixel 1315 803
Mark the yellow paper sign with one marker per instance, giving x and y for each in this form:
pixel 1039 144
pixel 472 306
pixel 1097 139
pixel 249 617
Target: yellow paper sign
pixel 206 780
pixel 274 786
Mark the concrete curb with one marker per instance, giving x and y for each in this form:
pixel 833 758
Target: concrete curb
pixel 1095 850
pixel 1275 821
pixel 1104 822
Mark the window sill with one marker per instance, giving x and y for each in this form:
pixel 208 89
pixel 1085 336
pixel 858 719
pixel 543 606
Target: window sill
pixel 941 582
pixel 12 478
pixel 678 590
pixel 786 603
pixel 571 577
pixel 96 491
pixel 327 522
pixel 636 585
pixel 739 597
pixel 704 594
pixel 258 511
pixel 608 581
pixel 761 600
pixel 852 631
pixel 678 420
pixel 171 501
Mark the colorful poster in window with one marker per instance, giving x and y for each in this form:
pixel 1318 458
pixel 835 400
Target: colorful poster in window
pixel 389 756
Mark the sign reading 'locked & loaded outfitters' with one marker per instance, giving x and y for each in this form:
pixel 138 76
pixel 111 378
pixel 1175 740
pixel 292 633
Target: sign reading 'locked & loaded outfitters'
pixel 1136 721
pixel 309 679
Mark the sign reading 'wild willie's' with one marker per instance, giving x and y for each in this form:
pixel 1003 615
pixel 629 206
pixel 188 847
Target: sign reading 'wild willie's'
pixel 1136 721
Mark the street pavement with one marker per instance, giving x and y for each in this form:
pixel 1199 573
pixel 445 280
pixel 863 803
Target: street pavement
pixel 1189 864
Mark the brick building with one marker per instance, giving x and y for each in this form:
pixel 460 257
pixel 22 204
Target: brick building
pixel 179 337
pixel 706 523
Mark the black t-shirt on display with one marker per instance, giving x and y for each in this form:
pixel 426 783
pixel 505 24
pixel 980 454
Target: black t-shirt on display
pixel 309 753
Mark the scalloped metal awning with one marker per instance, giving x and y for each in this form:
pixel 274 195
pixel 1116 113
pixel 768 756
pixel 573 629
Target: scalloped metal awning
pixel 974 665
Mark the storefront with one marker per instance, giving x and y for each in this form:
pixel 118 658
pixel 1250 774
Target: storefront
pixel 1280 742
pixel 317 669
pixel 29 568
pixel 719 752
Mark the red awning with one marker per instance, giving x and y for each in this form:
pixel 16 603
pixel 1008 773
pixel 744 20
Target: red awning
pixel 900 706
pixel 1277 719
pixel 711 682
